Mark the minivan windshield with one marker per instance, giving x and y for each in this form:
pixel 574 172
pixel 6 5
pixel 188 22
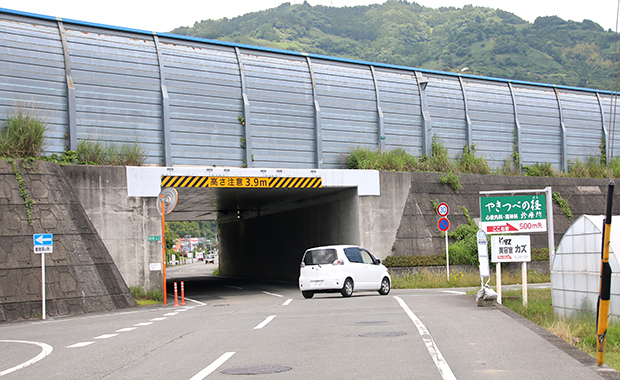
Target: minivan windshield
pixel 320 256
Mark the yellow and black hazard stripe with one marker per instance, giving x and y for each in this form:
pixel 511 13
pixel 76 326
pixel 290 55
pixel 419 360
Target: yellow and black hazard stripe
pixel 243 182
pixel 296 183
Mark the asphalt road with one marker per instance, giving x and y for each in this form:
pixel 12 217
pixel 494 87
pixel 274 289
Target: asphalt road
pixel 269 331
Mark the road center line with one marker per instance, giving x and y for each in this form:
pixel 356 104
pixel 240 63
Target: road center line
pixel 287 302
pixel 212 367
pixel 46 349
pixel 126 329
pixel 264 323
pixel 105 336
pixel 440 362
pixel 80 344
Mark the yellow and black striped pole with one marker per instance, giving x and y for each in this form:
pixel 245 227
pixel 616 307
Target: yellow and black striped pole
pixel 602 318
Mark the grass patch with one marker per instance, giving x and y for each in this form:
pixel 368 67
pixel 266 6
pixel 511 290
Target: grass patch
pixel 149 297
pixel 24 134
pixel 97 153
pixel 579 331
pixel 426 279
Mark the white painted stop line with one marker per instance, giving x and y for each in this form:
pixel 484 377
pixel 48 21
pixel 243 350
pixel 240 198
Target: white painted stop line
pixel 440 362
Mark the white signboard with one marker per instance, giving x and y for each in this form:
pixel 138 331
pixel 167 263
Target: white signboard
pixel 483 254
pixel 513 214
pixel 510 248
pixel 154 267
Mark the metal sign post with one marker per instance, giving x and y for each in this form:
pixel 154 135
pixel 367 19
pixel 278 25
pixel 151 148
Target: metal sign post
pixel 511 248
pixel 444 224
pixel 163 244
pixel 168 199
pixel 43 243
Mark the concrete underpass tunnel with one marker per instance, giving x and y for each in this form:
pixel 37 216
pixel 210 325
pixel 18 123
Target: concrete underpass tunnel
pixel 265 223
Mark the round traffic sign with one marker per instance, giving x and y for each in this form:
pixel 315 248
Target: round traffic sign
pixel 443 209
pixel 443 224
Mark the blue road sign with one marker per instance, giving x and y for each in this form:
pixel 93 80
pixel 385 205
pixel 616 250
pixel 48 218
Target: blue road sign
pixel 43 239
pixel 443 224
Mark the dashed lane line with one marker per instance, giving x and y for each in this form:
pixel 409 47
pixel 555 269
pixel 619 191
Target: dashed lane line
pixel 265 322
pixel 127 329
pixel 105 336
pixel 80 344
pixel 272 294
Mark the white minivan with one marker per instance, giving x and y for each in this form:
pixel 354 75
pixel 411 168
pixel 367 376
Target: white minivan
pixel 342 268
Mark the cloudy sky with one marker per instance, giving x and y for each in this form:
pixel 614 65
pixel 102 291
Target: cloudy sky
pixel 163 16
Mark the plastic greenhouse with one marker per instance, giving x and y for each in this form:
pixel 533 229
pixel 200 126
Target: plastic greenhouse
pixel 576 267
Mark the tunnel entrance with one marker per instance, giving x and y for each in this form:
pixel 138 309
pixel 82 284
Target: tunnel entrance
pixel 266 218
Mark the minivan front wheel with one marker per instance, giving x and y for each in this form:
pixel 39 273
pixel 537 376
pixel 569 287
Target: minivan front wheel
pixel 385 286
pixel 307 293
pixel 347 288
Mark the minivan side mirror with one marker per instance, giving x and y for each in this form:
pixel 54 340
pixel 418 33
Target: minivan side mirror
pixel 378 262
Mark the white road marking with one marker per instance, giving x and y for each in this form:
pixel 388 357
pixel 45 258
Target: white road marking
pixel 158 319
pixel 170 314
pixel 212 367
pixel 143 324
pixel 288 301
pixel 454 292
pixel 440 362
pixel 198 302
pixel 46 349
pixel 265 322
pixel 126 329
pixel 272 294
pixel 81 344
pixel 105 336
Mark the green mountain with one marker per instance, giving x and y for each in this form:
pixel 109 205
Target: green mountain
pixel 474 40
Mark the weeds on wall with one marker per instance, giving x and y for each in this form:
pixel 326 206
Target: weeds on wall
pixel 452 180
pixel 22 138
pixel 91 152
pixel 23 135
pixel 23 192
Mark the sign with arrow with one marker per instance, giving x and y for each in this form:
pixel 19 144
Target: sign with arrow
pixel 520 213
pixel 43 243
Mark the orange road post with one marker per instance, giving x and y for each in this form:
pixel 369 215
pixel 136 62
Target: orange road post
pixel 176 295
pixel 602 317
pixel 163 243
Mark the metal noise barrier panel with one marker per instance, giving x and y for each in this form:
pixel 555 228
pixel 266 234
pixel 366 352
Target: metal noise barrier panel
pixel 191 101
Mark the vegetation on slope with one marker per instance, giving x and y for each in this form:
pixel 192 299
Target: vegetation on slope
pixel 474 40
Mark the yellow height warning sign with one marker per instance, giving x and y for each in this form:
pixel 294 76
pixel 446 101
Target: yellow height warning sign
pixel 243 182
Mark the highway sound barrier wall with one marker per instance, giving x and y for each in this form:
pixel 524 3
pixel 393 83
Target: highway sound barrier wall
pixel 189 101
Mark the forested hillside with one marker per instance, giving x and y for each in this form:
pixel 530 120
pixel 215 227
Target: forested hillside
pixel 473 40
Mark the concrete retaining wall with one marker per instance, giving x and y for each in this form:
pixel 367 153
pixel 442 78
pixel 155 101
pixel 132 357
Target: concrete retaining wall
pixel 123 223
pixel 418 234
pixel 80 274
